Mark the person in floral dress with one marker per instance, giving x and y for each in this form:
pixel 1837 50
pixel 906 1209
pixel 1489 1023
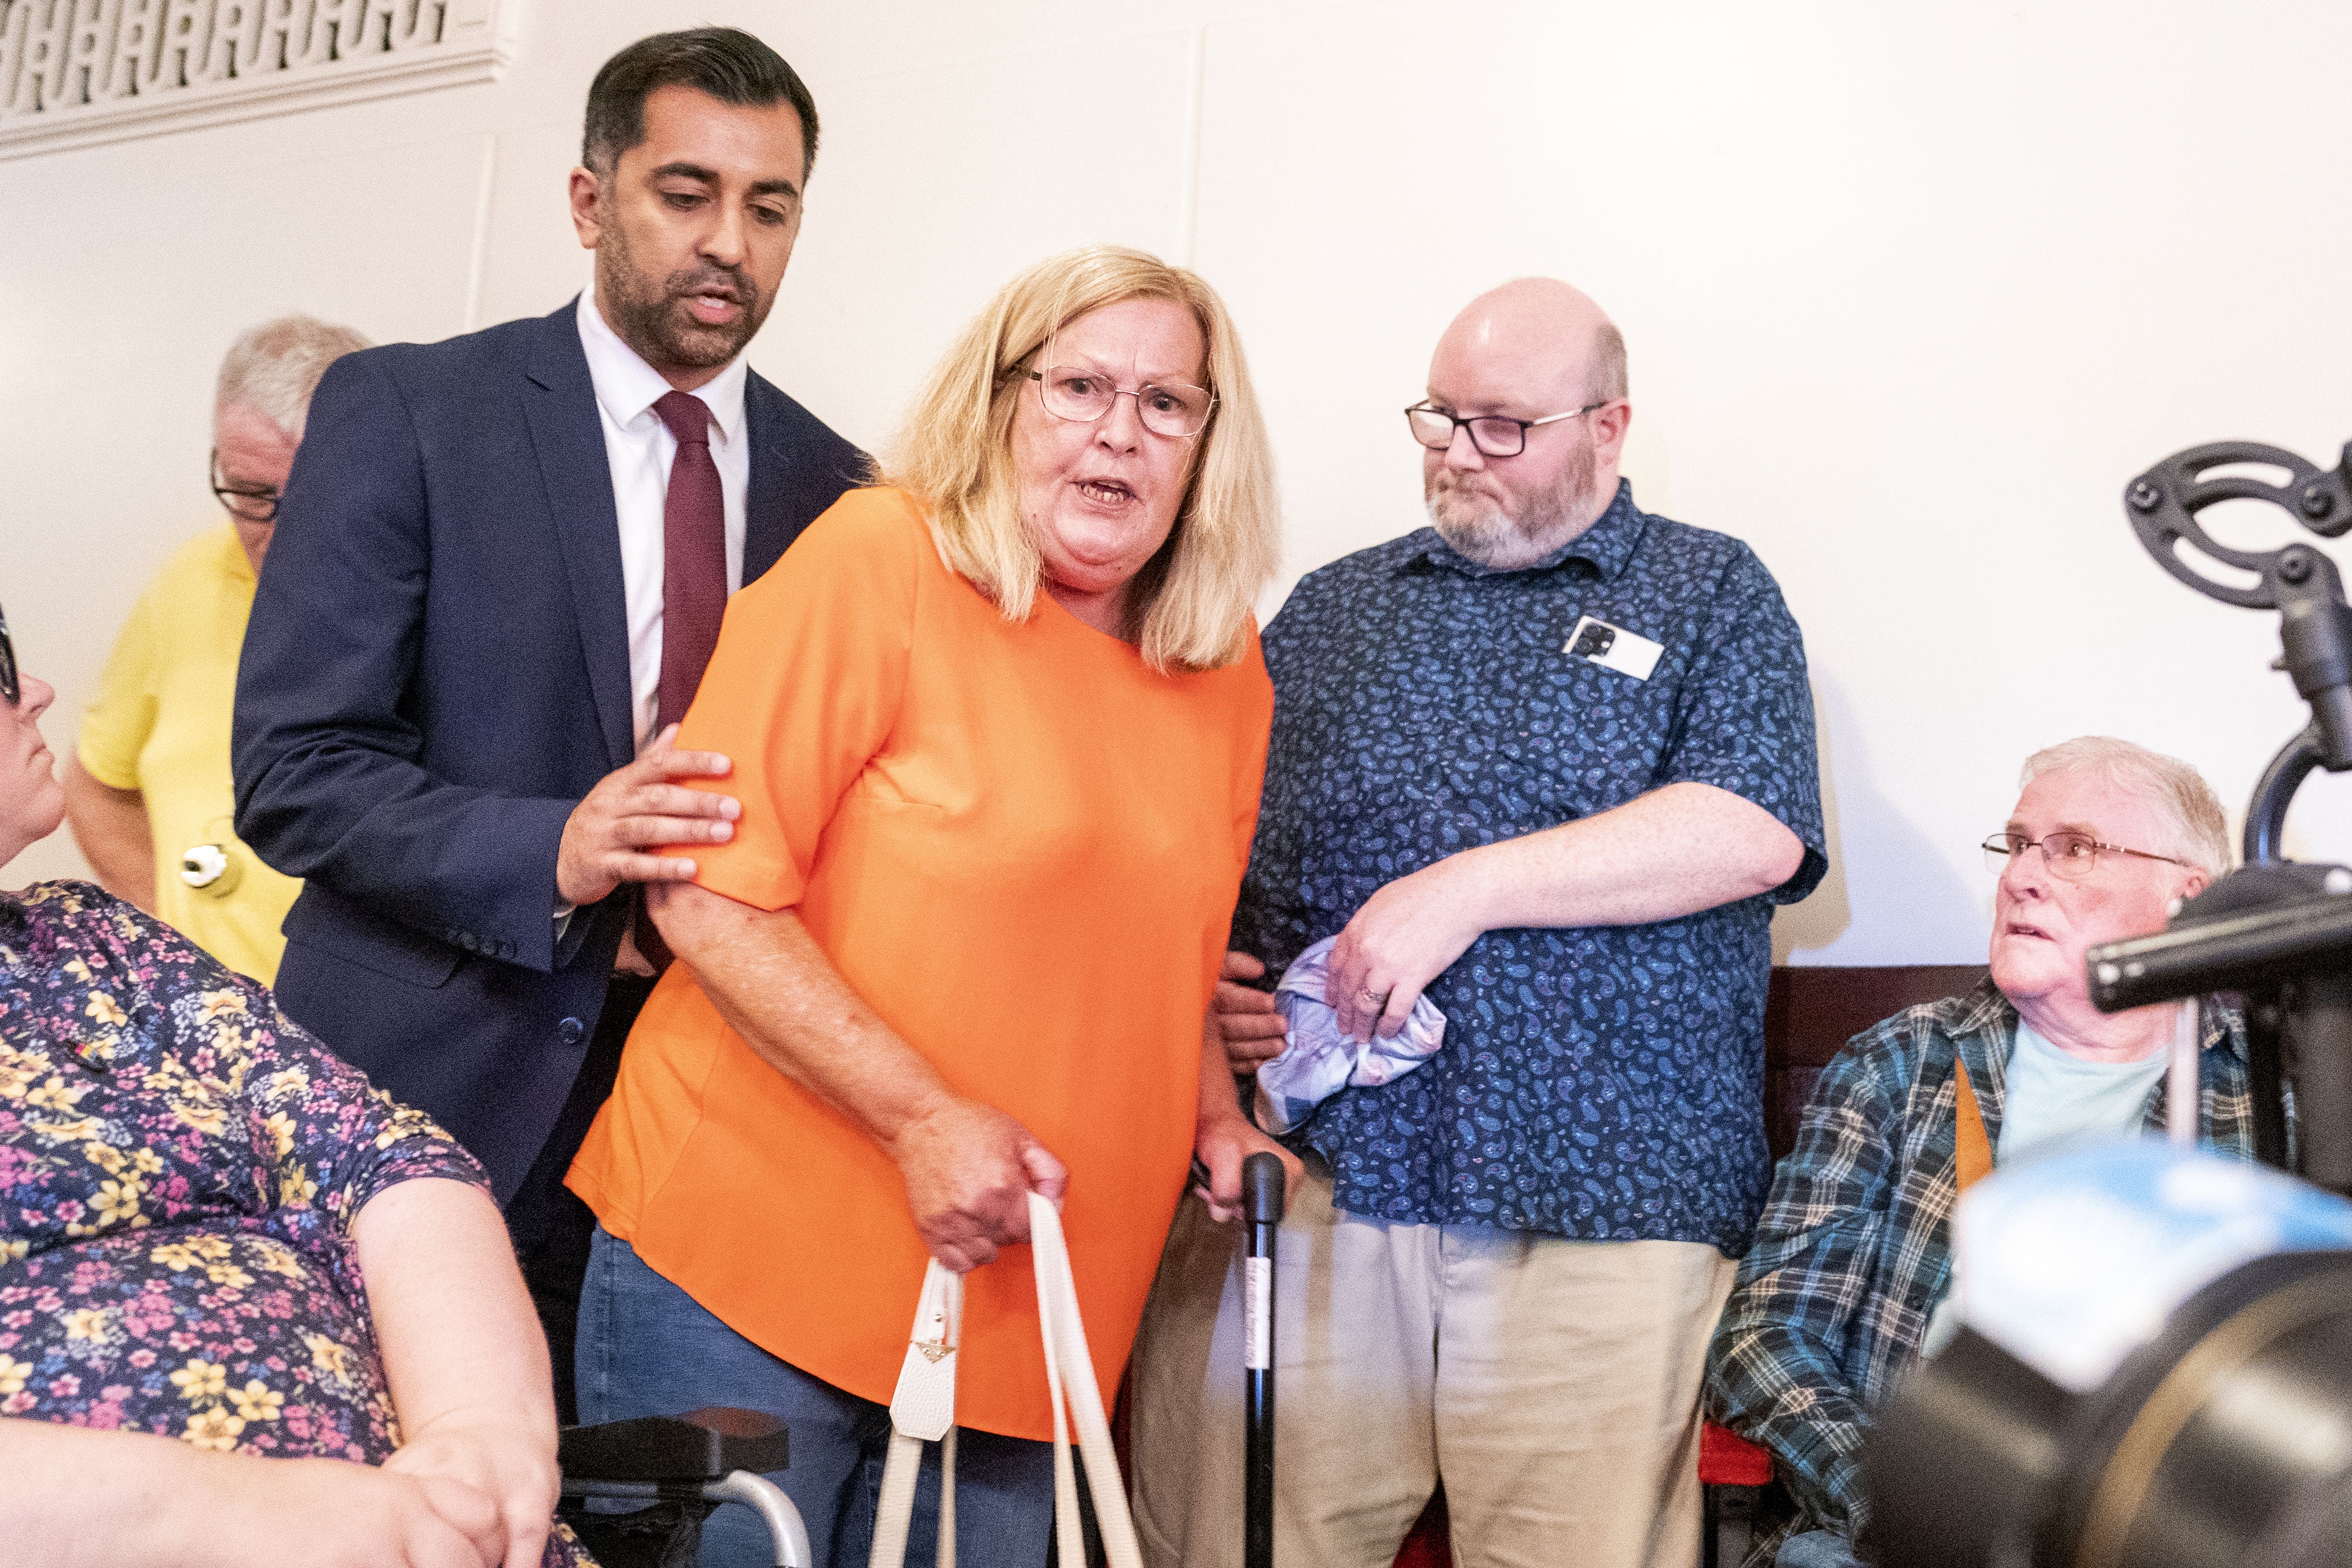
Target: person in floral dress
pixel 250 1309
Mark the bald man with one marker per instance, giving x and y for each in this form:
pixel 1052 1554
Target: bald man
pixel 1549 763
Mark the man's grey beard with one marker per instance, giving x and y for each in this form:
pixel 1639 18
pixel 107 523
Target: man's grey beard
pixel 1478 527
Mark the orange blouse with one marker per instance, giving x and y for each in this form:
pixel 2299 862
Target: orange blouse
pixel 1022 847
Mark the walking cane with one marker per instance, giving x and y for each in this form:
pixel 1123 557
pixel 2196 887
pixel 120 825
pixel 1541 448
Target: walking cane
pixel 1261 1198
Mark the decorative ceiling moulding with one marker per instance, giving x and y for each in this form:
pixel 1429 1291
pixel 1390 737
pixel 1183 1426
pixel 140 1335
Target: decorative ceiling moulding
pixel 74 73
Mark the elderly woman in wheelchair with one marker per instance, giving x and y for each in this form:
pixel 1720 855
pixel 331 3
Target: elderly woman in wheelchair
pixel 250 1305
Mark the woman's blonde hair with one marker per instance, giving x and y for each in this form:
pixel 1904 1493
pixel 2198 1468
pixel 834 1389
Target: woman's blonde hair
pixel 1188 607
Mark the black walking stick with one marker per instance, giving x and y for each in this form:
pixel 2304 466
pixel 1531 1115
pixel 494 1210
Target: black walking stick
pixel 1261 1198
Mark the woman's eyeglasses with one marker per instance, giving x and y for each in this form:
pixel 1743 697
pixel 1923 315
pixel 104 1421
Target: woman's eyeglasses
pixel 1172 408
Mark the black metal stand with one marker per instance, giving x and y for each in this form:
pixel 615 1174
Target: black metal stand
pixel 2278 933
pixel 2267 812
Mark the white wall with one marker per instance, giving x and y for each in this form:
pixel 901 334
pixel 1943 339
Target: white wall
pixel 1911 292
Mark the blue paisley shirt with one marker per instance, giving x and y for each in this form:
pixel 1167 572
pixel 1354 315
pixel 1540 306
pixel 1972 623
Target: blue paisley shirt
pixel 179 1170
pixel 1602 1082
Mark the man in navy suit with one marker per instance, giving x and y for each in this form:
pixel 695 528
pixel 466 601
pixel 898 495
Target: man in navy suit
pixel 500 567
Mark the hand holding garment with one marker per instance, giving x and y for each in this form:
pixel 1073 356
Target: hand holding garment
pixel 1320 1060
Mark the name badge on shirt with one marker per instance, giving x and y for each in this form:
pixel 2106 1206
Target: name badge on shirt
pixel 1613 648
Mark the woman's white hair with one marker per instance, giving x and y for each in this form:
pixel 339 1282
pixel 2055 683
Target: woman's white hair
pixel 274 368
pixel 2195 829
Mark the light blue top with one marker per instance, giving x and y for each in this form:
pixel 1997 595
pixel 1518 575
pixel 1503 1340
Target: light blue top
pixel 2054 1098
pixel 2051 1100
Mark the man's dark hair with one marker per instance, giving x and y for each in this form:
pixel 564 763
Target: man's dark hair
pixel 729 64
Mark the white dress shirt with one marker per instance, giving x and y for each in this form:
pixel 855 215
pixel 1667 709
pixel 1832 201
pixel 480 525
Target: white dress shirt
pixel 640 447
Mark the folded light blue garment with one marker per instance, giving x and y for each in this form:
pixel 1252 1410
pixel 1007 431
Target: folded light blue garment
pixel 1319 1060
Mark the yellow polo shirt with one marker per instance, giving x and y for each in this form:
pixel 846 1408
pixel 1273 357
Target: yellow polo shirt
pixel 159 726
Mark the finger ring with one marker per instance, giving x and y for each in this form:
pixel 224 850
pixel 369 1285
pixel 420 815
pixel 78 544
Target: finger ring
pixel 1369 998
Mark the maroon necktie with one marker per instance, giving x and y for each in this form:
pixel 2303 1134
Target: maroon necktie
pixel 694 595
pixel 694 555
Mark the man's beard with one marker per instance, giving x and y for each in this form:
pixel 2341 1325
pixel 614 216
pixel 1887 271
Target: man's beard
pixel 1480 527
pixel 651 318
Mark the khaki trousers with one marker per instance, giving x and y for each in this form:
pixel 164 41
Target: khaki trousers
pixel 1551 1385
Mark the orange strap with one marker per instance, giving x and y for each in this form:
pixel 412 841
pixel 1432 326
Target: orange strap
pixel 1969 1143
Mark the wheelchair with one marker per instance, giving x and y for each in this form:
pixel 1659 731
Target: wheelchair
pixel 680 1469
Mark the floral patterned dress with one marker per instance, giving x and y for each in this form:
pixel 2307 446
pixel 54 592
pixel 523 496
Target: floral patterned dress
pixel 180 1165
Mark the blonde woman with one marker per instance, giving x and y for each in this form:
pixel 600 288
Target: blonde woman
pixel 997 728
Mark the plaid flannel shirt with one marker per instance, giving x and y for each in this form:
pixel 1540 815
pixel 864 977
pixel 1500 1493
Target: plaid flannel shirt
pixel 1854 1251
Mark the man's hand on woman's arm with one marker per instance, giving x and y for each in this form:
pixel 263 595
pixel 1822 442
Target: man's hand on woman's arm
pixel 464 1355
pixel 968 1166
pixel 607 837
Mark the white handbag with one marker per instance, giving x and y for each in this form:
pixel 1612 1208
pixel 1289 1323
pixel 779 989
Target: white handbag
pixel 922 1410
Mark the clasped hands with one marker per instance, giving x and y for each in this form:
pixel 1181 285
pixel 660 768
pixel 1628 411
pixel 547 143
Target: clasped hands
pixel 508 1466
pixel 455 1495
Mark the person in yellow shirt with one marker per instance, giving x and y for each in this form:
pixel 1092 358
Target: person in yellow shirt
pixel 148 788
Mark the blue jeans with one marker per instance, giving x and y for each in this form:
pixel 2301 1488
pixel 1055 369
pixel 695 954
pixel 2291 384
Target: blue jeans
pixel 1816 1548
pixel 647 1348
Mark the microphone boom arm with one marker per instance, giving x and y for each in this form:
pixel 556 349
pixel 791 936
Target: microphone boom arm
pixel 2298 582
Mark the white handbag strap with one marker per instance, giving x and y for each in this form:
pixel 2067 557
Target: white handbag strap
pixel 1070 1373
pixel 1070 1377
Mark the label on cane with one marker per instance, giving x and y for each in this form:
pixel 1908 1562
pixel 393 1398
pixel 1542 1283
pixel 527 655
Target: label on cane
pixel 1257 1307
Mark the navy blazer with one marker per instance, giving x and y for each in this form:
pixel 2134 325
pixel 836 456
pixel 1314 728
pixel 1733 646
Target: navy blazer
pixel 435 672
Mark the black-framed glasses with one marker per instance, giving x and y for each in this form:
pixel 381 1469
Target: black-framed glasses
pixel 255 504
pixel 2069 855
pixel 10 687
pixel 1166 408
pixel 1493 434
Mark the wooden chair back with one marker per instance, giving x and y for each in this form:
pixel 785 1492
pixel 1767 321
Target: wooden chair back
pixel 1809 1013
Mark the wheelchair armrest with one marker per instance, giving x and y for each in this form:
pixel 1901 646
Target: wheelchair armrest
pixel 699 1445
